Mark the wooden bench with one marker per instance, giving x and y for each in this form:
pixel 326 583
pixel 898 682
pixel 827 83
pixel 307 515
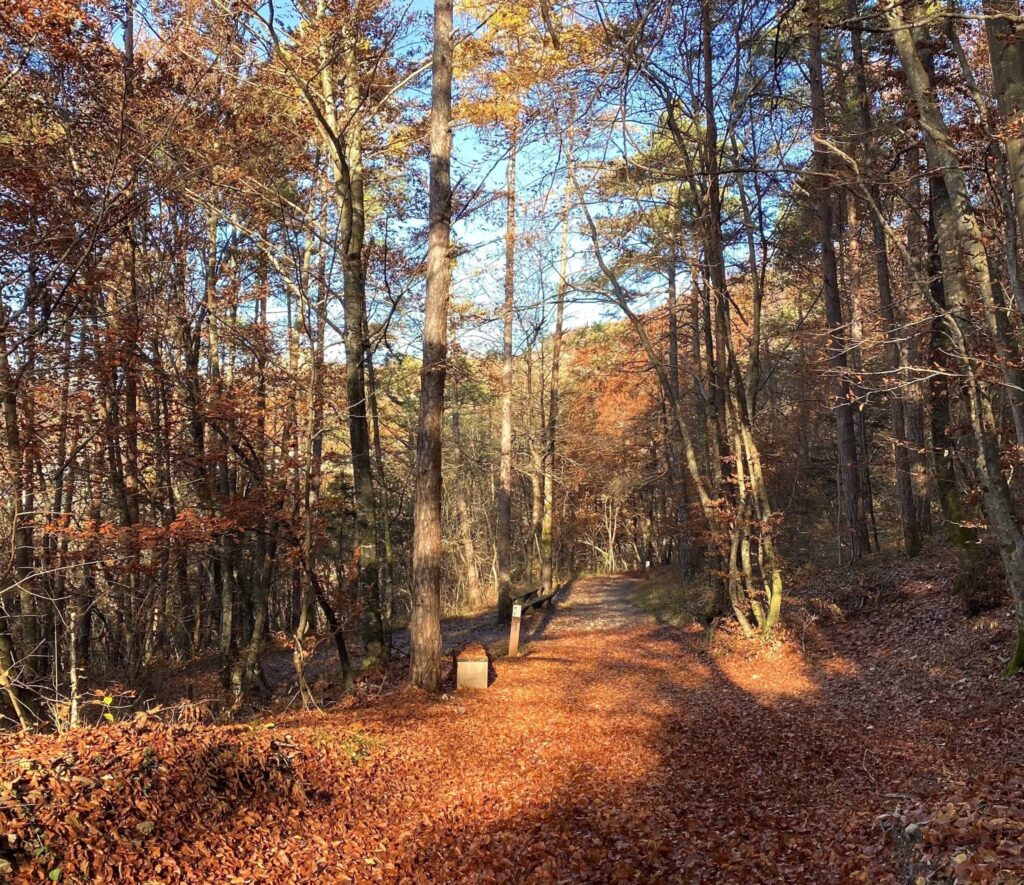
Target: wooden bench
pixel 527 599
pixel 522 602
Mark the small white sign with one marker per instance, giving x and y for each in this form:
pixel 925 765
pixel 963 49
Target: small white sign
pixel 517 611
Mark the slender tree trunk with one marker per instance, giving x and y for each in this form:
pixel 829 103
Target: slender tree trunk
pixel 24 544
pixel 472 570
pixel 425 625
pixel 344 142
pixel 714 255
pixel 503 541
pixel 959 236
pixel 909 509
pixel 547 546
pixel 674 443
pixel 1005 25
pixel 386 572
pixel 535 405
pixel 838 338
pixel 915 411
pixel 959 530
pixel 247 662
pixel 968 236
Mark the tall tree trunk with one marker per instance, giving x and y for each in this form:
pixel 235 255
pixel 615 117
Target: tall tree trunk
pixel 218 491
pixel 386 572
pixel 247 662
pixel 471 568
pixel 674 443
pixel 355 349
pixel 503 540
pixel 957 522
pixel 915 404
pixel 714 255
pixel 344 142
pixel 425 624
pixel 547 546
pixel 838 344
pixel 968 236
pixel 909 507
pixel 26 656
pixel 1005 28
pixel 959 235
pixel 535 454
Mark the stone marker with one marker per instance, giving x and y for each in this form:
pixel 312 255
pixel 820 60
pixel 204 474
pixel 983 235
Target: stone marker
pixel 471 667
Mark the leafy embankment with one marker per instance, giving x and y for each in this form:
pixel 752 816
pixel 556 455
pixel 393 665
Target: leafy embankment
pixel 874 742
pixel 157 802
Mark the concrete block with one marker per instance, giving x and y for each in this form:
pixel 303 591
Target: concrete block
pixel 471 667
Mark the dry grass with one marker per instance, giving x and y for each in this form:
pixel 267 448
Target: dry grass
pixel 673 600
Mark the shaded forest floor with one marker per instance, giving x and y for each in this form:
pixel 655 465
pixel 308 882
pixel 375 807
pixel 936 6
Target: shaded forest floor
pixel 876 741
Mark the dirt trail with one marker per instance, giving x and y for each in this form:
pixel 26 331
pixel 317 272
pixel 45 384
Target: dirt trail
pixel 620 750
pixel 600 603
pixel 614 750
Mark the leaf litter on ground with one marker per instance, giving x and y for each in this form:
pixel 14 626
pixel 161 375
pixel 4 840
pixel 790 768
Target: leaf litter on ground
pixel 876 742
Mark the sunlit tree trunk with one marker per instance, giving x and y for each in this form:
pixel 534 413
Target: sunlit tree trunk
pixel 425 625
pixel 856 528
pixel 547 547
pixel 503 540
pixel 959 235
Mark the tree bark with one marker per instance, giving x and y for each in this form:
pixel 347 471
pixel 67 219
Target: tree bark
pixel 547 546
pixel 909 507
pixel 344 143
pixel 503 540
pixel 959 235
pixel 1005 29
pixel 472 570
pixel 838 343
pixel 425 624
pixel 962 535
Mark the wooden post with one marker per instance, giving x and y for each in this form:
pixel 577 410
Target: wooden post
pixel 513 640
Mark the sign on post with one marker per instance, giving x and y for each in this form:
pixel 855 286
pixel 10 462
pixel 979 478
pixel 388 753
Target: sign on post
pixel 513 639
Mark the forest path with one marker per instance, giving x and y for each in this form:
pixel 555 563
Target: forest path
pixel 599 603
pixel 586 604
pixel 596 603
pixel 614 750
